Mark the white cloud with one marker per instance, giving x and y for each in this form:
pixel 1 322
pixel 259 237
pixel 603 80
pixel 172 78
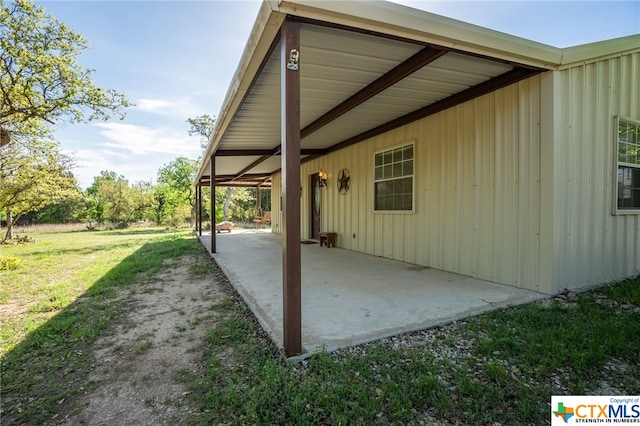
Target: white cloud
pixel 154 105
pixel 89 163
pixel 182 107
pixel 141 140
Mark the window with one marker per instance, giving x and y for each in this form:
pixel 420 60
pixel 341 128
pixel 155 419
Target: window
pixel 628 165
pixel 393 183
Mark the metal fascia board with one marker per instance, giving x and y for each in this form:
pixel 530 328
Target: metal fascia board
pixel 405 22
pixel 265 29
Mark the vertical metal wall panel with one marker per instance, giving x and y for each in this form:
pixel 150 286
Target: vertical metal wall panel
pixel 478 185
pixel 484 194
pixel 529 184
pixel 476 191
pixel 276 207
pixel 596 245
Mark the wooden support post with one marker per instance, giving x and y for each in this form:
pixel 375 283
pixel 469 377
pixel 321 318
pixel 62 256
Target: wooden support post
pixel 258 201
pixel 195 207
pixel 212 186
pixel 290 163
pixel 199 210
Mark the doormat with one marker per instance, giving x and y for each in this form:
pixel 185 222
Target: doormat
pixel 308 242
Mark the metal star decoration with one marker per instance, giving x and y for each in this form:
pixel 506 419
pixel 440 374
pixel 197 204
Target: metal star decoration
pixel 343 181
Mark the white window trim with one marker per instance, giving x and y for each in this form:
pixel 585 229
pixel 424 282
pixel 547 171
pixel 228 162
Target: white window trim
pixel 413 179
pixel 616 211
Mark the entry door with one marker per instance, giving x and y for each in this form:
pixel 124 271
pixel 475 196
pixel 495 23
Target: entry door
pixel 316 198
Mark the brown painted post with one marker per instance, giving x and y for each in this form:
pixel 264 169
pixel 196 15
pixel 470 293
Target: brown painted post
pixel 258 200
pixel 212 186
pixel 290 158
pixel 257 206
pixel 195 206
pixel 199 210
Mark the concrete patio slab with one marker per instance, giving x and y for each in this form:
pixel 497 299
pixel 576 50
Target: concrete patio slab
pixel 349 298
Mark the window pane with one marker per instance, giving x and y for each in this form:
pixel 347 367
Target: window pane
pixel 397 155
pixel 628 188
pixel 408 152
pixel 623 149
pixel 407 202
pixel 392 189
pixel 397 202
pixel 407 168
pixel 384 202
pixel 408 186
pixel 623 132
pixel 397 169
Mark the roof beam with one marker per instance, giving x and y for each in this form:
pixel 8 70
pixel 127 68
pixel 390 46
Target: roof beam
pixel 399 72
pixel 243 152
pixel 472 92
pixel 262 152
pixel 273 152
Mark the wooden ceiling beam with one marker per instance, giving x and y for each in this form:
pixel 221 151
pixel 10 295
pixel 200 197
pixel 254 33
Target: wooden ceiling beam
pixel 472 92
pixel 399 72
pixel 262 152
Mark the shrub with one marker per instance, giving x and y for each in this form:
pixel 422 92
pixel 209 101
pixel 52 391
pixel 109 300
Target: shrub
pixel 8 263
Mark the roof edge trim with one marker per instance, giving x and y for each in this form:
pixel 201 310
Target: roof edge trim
pixel 406 22
pixel 265 28
pixel 600 50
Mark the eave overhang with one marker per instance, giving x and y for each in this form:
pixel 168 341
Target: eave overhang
pixel 365 68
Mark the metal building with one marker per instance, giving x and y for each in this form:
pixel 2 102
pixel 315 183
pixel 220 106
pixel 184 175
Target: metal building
pixel 435 142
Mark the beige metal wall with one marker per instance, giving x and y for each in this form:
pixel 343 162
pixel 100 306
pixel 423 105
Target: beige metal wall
pixel 515 187
pixel 592 245
pixel 476 191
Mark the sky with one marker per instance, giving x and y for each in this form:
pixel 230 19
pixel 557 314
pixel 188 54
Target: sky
pixel 175 60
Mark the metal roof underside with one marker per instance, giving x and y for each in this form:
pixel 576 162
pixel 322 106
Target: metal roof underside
pixel 354 85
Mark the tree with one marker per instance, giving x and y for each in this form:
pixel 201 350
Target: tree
pixel 202 126
pixel 35 183
pixel 142 194
pixel 174 193
pixel 111 199
pixel 41 84
pixel 40 79
pixel 68 210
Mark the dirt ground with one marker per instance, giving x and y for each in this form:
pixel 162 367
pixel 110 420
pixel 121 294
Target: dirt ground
pixel 133 382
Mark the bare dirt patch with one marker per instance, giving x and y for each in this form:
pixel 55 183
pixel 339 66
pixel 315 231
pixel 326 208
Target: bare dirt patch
pixel 134 378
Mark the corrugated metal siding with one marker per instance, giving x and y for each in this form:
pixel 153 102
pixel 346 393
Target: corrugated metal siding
pixel 477 185
pixel 596 246
pixel 476 191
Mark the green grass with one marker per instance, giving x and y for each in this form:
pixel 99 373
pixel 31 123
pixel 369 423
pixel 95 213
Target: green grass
pixel 498 367
pixel 60 299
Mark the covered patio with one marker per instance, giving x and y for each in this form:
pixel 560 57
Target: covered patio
pixel 319 78
pixel 348 297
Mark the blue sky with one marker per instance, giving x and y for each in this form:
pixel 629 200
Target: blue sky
pixel 175 60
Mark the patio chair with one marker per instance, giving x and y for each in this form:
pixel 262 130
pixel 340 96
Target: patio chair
pixel 260 220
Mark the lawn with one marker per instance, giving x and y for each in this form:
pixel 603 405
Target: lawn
pixel 57 296
pixel 497 368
